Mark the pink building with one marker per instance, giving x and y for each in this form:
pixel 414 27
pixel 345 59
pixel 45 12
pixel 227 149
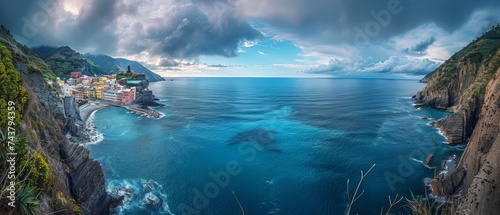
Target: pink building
pixel 76 74
pixel 126 96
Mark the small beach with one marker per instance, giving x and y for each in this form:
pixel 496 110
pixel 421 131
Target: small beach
pixel 90 134
pixel 90 108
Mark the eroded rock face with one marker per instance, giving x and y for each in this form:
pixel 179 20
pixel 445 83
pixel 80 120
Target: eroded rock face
pixel 86 179
pixel 469 85
pixel 482 157
pixel 457 97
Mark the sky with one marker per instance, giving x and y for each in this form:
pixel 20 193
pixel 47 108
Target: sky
pixel 259 38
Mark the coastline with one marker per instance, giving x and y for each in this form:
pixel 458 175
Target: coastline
pixel 90 134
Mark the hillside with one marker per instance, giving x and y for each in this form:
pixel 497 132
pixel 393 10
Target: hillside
pixel 115 65
pixel 24 55
pixel 53 174
pixel 459 85
pixel 469 85
pixel 64 60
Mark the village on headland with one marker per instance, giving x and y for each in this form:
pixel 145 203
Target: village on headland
pixel 83 95
pixel 126 89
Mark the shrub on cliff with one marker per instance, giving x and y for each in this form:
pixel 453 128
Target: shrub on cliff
pixel 11 90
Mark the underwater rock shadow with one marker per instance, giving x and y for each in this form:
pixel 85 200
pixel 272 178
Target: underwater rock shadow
pixel 262 137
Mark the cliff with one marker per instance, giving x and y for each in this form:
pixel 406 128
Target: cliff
pixel 74 182
pixel 469 85
pixel 482 157
pixel 459 84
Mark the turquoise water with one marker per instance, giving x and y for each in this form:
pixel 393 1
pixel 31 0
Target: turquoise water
pixel 275 145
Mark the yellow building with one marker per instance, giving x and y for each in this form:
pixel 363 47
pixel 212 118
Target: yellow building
pixel 98 92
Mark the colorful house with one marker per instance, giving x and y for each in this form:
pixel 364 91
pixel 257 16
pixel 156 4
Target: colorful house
pixel 98 92
pixel 126 96
pixel 76 74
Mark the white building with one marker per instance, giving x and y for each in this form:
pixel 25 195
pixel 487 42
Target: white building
pixel 109 95
pixel 66 90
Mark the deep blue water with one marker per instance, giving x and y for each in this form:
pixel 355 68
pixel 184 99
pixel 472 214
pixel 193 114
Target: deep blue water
pixel 283 146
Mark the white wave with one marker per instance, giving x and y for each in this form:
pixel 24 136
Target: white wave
pixel 137 193
pixel 94 135
pixel 419 161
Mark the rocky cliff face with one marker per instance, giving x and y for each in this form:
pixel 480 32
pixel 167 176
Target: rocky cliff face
pixel 76 175
pixel 469 85
pixel 482 157
pixel 459 85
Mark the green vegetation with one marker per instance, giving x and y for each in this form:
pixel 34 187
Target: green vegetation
pixel 23 56
pixel 481 51
pixel 130 76
pixel 478 90
pixel 27 204
pixel 64 60
pixel 32 168
pixel 13 95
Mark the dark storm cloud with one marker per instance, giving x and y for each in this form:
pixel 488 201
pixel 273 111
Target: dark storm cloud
pixel 29 19
pixel 192 32
pixel 182 30
pixel 421 47
pixel 187 32
pixel 336 20
pixel 36 22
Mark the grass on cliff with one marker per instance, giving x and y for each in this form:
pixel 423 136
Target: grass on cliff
pixel 24 56
pixel 482 52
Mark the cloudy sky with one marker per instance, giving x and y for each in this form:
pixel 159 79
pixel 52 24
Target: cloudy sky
pixel 376 38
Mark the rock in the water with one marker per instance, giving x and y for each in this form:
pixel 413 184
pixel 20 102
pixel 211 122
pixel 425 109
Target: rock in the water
pixel 452 182
pixel 429 159
pixel 437 186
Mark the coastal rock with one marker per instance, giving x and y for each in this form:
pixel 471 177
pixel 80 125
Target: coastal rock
pixel 429 159
pixel 146 98
pixel 87 179
pixel 469 85
pixel 446 185
pixel 482 157
pixel 452 181
pixel 437 185
pixel 71 127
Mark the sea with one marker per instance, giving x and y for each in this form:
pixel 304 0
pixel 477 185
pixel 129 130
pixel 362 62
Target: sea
pixel 272 146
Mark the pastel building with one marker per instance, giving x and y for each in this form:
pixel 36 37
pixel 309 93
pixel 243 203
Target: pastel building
pixel 98 92
pixel 125 97
pixel 79 94
pixel 76 74
pixel 110 95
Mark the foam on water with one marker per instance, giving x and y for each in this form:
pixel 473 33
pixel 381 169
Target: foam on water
pixel 141 196
pixel 423 163
pixel 95 135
